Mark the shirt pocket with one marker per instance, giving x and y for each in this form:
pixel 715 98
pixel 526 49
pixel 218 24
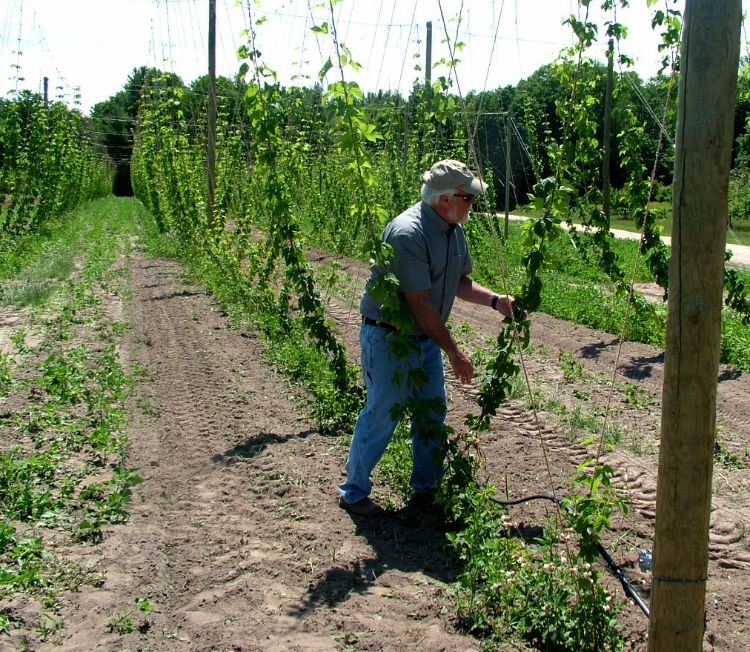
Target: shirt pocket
pixel 455 266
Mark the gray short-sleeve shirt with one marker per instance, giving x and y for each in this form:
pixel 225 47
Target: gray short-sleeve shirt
pixel 428 254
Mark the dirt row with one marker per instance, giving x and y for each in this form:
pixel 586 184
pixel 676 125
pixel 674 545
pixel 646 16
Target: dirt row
pixel 235 536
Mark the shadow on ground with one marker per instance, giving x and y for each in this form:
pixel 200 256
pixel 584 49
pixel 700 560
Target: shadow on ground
pixel 405 540
pixel 253 446
pixel 638 368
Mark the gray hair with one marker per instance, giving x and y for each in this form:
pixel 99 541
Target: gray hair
pixel 431 195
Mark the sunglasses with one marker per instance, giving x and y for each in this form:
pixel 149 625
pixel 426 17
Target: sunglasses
pixel 469 199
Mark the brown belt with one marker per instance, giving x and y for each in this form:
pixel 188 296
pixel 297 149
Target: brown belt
pixel 379 324
pixel 390 327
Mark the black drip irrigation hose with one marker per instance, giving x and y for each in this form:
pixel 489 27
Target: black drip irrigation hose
pixel 616 570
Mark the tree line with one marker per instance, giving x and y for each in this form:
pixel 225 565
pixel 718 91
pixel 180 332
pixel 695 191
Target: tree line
pixel 533 105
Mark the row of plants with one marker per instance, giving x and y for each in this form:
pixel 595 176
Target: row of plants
pixel 252 254
pixel 63 447
pixel 50 163
pixel 504 577
pixel 336 191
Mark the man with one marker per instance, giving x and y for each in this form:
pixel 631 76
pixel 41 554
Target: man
pixel 432 263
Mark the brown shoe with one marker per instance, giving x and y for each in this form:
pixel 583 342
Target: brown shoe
pixel 422 500
pixel 425 503
pixel 364 507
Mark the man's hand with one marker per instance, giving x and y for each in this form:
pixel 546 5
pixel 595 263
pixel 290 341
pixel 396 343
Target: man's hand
pixel 429 319
pixel 461 365
pixel 473 292
pixel 504 304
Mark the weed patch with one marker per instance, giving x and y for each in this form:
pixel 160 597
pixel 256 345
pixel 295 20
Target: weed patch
pixel 63 454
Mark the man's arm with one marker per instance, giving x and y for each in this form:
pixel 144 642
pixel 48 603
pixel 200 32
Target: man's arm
pixel 473 292
pixel 429 320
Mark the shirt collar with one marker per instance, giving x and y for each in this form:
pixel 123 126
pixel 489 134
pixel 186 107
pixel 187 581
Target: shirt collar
pixel 430 214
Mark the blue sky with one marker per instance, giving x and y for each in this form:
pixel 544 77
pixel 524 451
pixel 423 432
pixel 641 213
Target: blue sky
pixel 92 45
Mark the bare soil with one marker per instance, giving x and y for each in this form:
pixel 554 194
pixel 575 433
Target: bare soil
pixel 235 534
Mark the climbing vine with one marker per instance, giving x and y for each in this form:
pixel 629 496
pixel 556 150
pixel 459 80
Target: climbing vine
pixel 319 167
pixel 49 163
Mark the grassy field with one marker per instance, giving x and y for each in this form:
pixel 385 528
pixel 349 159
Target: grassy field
pixel 738 235
pixel 63 449
pixel 577 290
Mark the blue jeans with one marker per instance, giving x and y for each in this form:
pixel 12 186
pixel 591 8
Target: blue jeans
pixel 385 377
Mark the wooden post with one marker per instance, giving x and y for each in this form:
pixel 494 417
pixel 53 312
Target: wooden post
pixel 607 136
pixel 708 80
pixel 427 83
pixel 507 174
pixel 406 137
pixel 428 57
pixel 211 115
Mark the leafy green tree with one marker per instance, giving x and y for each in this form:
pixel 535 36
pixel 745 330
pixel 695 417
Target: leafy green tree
pixel 741 152
pixel 114 121
pixel 486 113
pixel 229 100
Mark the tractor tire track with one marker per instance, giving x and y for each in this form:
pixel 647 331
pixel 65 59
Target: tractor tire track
pixel 235 536
pixel 523 457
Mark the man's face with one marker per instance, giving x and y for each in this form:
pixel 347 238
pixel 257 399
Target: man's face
pixel 458 207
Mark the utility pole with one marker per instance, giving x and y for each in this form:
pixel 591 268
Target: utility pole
pixel 46 92
pixel 607 137
pixel 211 114
pixel 708 82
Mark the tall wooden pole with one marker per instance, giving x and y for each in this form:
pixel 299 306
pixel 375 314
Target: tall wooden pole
pixel 428 68
pixel 427 82
pixel 708 80
pixel 607 136
pixel 211 114
pixel 428 57
pixel 507 174
pixel 406 137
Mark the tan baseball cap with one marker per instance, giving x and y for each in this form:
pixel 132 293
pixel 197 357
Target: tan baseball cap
pixel 449 174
